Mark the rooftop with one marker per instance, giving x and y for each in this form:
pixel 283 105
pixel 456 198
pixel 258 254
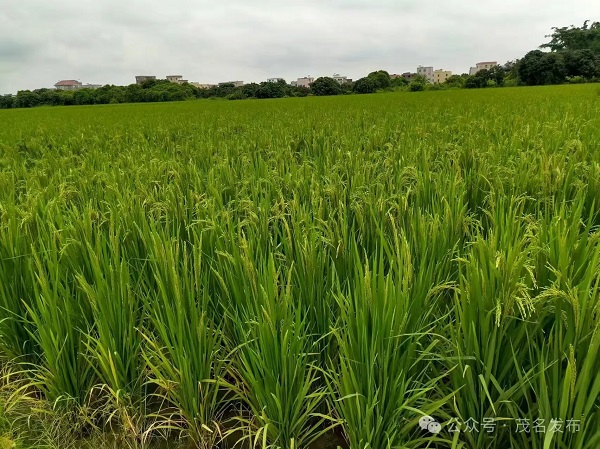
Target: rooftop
pixel 68 83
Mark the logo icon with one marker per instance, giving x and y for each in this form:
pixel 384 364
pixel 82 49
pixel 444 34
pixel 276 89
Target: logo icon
pixel 430 424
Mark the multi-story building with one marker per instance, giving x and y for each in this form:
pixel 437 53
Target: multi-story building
pixel 235 83
pixel 175 79
pixel 274 80
pixel 303 82
pixel 426 72
pixel 481 66
pixel 440 76
pixel 68 85
pixel 341 79
pixel 409 76
pixel 141 78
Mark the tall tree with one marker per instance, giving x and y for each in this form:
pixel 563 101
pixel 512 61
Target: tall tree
pixel 364 86
pixel 538 68
pixel 584 63
pixel 575 38
pixel 381 79
pixel 326 86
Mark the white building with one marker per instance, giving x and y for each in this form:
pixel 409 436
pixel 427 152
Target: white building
pixel 174 78
pixel 303 82
pixel 481 66
pixel 426 72
pixel 341 79
pixel 274 80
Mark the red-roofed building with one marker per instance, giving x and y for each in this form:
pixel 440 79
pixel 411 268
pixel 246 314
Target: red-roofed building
pixel 68 85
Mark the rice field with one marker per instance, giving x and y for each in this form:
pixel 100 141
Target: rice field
pixel 406 270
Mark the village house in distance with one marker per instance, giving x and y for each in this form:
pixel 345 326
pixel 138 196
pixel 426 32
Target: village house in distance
pixel 482 66
pixel 305 81
pixel 433 76
pixel 177 79
pixel 438 76
pixel 141 78
pixel 74 85
pixel 341 79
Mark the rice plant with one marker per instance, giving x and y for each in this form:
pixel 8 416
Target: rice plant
pixel 390 271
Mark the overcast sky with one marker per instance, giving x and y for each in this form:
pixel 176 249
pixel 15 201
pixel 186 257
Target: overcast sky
pixel 111 41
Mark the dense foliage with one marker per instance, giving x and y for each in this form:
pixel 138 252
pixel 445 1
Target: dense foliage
pixel 326 86
pixel 586 37
pixel 574 55
pixel 303 270
pixel 150 91
pixel 364 86
pixel 574 58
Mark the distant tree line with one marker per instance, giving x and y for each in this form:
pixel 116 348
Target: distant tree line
pixel 151 91
pixel 573 57
pixel 148 92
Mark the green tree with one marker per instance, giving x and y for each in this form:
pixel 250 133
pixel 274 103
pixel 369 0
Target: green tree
pixel 86 96
pixel 250 90
pixel 49 97
pixel 575 38
pixel 418 84
pixel 456 81
pixel 511 70
pixel 584 63
pixel 6 101
pixel 476 82
pixel 149 83
pixel 496 75
pixel 299 91
pixel 364 86
pixel 272 90
pixel 347 88
pixel 326 86
pixel 381 79
pixel 26 99
pixel 224 90
pixel 538 68
pixel 134 93
pixel 237 94
pixel 399 81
